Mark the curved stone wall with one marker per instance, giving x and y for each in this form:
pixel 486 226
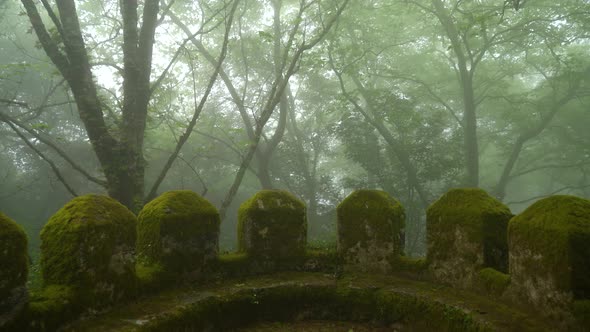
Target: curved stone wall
pixel 538 259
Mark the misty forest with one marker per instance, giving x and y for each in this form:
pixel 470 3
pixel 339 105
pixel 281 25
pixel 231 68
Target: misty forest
pixel 399 102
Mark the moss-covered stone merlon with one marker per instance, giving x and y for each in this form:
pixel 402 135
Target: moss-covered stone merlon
pixel 466 231
pixel 178 232
pixel 272 224
pixel 370 229
pixel 550 251
pixel 14 263
pixel 89 245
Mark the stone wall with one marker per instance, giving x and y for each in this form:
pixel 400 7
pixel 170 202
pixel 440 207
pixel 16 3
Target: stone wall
pixel 95 252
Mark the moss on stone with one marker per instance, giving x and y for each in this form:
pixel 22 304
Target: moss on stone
pixel 224 305
pixel 314 302
pixel 151 277
pixel 14 263
pixel 581 311
pixel 14 260
pixel 89 245
pixel 466 230
pixel 407 264
pixel 550 250
pixel 52 307
pixel 493 281
pixel 179 231
pixel 49 309
pixel 272 225
pixel 370 229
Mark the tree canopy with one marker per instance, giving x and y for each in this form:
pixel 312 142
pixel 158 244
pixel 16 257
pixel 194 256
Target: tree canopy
pixel 318 97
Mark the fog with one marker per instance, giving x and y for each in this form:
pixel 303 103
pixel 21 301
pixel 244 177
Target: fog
pixel 315 97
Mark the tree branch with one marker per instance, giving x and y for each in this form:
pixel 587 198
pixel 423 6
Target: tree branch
pixel 44 157
pixel 198 108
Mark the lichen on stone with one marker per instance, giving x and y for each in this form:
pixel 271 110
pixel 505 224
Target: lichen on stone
pixel 466 231
pixel 272 225
pixel 178 232
pixel 550 251
pixel 370 229
pixel 88 245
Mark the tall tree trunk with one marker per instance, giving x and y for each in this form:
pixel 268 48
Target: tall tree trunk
pixel 121 154
pixel 469 121
pixel 470 144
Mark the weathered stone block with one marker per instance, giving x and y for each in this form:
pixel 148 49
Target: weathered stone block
pixel 466 231
pixel 370 230
pixel 549 245
pixel 14 262
pixel 272 225
pixel 178 232
pixel 88 245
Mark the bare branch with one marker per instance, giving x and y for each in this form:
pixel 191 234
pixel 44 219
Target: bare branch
pixel 44 157
pixel 198 108
pixel 12 122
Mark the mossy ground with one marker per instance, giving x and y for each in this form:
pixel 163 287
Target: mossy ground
pixel 178 231
pixel 89 245
pixel 299 297
pixel 319 326
pixel 272 225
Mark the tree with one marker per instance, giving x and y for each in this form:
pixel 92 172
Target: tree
pixel 297 43
pixel 119 148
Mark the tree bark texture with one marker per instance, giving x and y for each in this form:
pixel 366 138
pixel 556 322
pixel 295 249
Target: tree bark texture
pixel 120 153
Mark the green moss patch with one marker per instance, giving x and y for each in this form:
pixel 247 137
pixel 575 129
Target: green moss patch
pixel 88 245
pixel 178 232
pixel 550 251
pixel 52 307
pixel 272 225
pixel 14 260
pixel 370 229
pixel 317 326
pixel 492 281
pixel 466 231
pixel 301 297
pixel 412 266
pixel 581 311
pixel 14 268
